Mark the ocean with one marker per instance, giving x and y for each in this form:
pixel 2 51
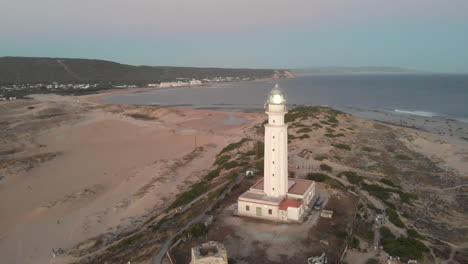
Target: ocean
pixel 427 95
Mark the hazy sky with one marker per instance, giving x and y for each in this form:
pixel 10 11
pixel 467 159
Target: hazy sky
pixel 419 34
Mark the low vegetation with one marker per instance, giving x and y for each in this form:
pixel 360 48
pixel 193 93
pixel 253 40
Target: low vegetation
pixel 368 149
pixel 330 135
pixel 212 174
pixel 341 146
pixel 304 130
pixel 325 167
pixel 394 218
pixel 415 234
pixel 320 158
pixel 196 190
pixel 302 113
pixel 390 183
pixel 403 157
pixel 404 247
pixel 351 176
pixel 320 177
pixel 222 159
pixel 377 191
pixel 372 261
pixel 233 146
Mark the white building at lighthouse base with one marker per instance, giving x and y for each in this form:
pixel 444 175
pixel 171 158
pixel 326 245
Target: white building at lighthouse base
pixel 290 207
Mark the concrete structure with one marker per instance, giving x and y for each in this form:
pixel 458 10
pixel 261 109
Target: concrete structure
pixel 209 253
pixel 326 214
pixel 276 197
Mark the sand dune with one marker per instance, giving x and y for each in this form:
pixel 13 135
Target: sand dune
pixel 112 171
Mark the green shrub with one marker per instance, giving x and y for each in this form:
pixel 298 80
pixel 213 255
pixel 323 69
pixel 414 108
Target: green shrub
pixel 386 233
pixel 259 149
pixel 320 158
pixel 235 187
pixel 341 146
pixel 324 122
pixel 158 224
pixel 222 159
pixel 407 197
pixel 317 176
pixel 250 153
pixel 372 261
pixel 304 130
pixel 414 234
pixel 325 167
pixel 390 183
pixel 196 190
pixel 320 177
pixel 215 194
pixel 196 230
pixel 368 149
pixel 377 191
pixel 354 243
pixel 129 240
pixel 233 146
pixel 402 157
pixel 302 112
pixel 334 136
pixel 317 125
pixel 260 165
pixel 394 218
pixel 351 176
pixel 303 136
pixel 212 174
pixel 231 164
pixel 404 247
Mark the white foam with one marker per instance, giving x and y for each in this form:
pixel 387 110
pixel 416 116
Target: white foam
pixel 418 113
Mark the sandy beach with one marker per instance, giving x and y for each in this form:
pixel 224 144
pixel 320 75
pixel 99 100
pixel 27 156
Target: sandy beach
pixel 110 172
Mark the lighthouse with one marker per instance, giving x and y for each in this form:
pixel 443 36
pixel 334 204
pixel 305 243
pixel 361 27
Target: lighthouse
pixel 276 145
pixel 276 197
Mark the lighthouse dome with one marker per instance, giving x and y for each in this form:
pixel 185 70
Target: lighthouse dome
pixel 276 96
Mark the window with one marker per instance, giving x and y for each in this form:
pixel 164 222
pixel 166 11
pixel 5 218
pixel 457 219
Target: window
pixel 273 174
pixel 273 189
pixel 273 120
pixel 273 137
pixel 270 211
pixel 247 208
pixel 273 149
pixel 273 162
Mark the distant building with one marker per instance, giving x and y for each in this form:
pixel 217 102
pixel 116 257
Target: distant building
pixel 195 82
pixel 209 253
pixel 276 197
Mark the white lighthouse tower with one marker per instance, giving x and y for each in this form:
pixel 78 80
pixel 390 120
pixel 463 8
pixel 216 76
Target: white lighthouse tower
pixel 276 197
pixel 276 145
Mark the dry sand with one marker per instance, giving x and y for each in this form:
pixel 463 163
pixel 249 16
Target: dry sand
pixel 113 171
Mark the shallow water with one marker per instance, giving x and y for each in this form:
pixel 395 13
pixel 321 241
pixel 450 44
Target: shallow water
pixel 423 95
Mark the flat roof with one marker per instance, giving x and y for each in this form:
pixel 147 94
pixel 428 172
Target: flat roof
pixel 260 185
pixel 289 203
pixel 300 186
pixel 260 197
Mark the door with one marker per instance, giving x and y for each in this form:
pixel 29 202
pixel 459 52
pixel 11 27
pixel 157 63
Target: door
pixel 259 211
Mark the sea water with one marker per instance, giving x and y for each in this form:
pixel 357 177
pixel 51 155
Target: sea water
pixel 429 95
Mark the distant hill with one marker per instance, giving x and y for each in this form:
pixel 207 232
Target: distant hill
pixel 62 70
pixel 353 70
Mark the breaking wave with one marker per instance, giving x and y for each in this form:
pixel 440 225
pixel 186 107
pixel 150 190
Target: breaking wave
pixel 418 113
